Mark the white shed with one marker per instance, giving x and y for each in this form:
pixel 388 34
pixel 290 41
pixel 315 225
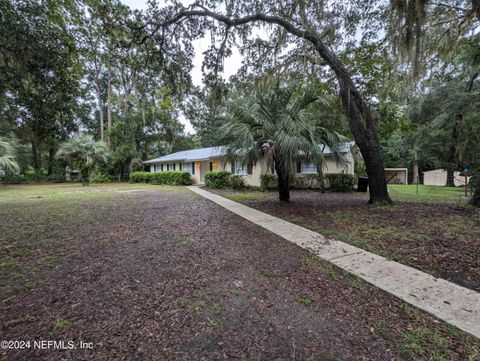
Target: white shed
pixel 396 175
pixel 438 177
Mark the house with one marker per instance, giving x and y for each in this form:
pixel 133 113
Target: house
pixel 199 161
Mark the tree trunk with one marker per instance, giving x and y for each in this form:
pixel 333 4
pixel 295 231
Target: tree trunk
pixel 450 177
pixel 367 140
pixel 36 158
pixel 109 106
pixel 415 179
pixel 99 99
pixel 475 181
pixel 51 159
pixel 283 181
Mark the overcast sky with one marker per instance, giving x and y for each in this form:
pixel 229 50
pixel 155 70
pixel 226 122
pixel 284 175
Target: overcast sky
pixel 233 62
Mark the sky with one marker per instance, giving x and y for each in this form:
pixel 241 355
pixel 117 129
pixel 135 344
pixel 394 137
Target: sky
pixel 233 62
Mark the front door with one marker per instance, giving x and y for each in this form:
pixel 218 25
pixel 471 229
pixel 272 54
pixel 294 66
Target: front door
pixel 204 168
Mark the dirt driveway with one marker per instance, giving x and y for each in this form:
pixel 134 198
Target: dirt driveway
pixel 167 275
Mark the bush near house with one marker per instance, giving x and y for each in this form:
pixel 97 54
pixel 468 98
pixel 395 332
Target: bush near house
pixel 177 178
pixel 268 181
pixel 224 179
pixel 236 181
pixel 218 179
pixel 309 181
pixel 338 182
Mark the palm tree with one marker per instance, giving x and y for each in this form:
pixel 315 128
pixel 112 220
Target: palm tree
pixel 8 161
pixel 278 123
pixel 84 153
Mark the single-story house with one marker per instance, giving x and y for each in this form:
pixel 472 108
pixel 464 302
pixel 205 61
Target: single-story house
pixel 438 177
pixel 199 161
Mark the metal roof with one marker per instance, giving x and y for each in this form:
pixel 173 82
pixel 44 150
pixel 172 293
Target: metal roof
pixel 212 152
pixel 191 155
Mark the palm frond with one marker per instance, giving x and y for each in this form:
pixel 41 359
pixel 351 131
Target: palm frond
pixel 8 161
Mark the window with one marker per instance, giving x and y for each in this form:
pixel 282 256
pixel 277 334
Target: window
pixel 346 168
pixel 238 169
pixel 250 168
pixel 211 166
pixel 170 167
pixel 188 167
pixel 158 167
pixel 306 167
pixel 180 166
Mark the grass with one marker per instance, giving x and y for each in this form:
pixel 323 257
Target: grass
pixel 409 232
pixel 62 208
pixel 60 323
pixel 71 191
pixel 305 301
pixel 408 193
pixel 20 320
pixel 419 342
pixel 237 197
pixel 186 241
pixel 47 262
pixel 200 303
pixel 354 241
pixel 32 216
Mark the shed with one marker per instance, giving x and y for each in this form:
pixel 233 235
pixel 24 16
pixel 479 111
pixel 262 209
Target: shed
pixel 438 177
pixel 397 175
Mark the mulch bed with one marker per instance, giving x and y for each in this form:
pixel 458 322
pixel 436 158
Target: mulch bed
pixel 441 239
pixel 171 276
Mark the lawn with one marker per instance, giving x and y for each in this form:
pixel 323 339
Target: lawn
pixel 423 193
pixel 155 272
pixel 439 237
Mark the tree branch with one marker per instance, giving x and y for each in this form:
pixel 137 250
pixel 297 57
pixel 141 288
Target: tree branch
pixel 335 64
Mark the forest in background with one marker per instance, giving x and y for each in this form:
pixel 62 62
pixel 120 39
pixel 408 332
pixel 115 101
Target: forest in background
pixel 70 67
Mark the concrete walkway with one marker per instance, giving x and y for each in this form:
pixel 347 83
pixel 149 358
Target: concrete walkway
pixel 447 301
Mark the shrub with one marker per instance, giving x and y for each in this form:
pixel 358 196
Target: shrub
pixel 308 181
pixel 217 179
pixel 268 181
pixel 171 178
pixel 56 178
pixel 339 182
pixel 140 177
pixel 236 182
pixel 11 178
pixel 100 177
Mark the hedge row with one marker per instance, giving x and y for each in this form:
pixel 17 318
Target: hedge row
pixel 223 179
pixel 336 182
pixel 339 182
pixel 178 178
